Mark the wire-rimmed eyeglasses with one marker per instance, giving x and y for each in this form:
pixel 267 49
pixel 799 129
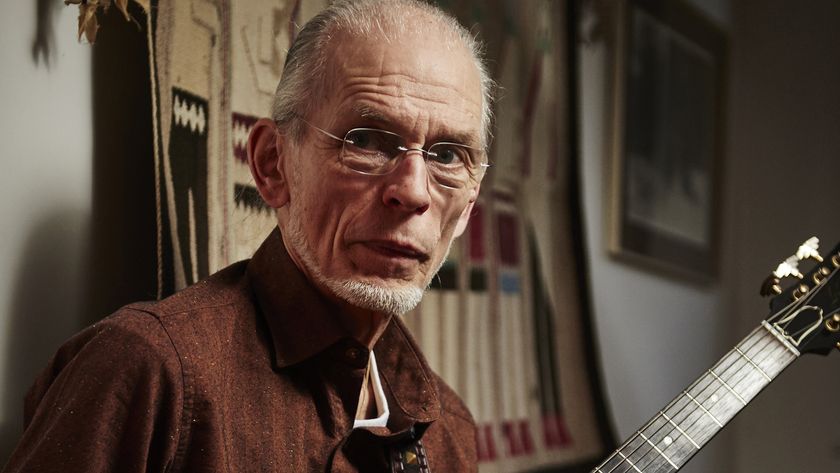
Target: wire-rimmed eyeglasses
pixel 378 152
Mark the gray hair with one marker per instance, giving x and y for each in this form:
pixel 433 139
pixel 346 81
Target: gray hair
pixel 307 56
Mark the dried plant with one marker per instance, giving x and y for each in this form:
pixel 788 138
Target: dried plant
pixel 88 9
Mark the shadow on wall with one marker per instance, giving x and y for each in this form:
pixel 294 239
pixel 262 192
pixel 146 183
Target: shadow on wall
pixel 43 45
pixel 80 265
pixel 46 308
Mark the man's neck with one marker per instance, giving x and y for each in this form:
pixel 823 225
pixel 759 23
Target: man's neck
pixel 366 326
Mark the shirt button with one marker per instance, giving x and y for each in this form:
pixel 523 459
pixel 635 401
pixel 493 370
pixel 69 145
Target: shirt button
pixel 352 353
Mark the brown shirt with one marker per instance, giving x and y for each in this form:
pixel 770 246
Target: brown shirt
pixel 245 371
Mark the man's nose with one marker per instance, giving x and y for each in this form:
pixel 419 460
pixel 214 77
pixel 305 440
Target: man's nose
pixel 407 187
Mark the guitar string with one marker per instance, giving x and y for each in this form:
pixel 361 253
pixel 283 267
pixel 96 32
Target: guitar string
pixel 730 356
pixel 723 387
pixel 674 431
pixel 676 416
pixel 729 381
pixel 723 383
pixel 728 384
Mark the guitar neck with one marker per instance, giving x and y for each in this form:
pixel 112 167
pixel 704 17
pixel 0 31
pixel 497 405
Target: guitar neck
pixel 682 428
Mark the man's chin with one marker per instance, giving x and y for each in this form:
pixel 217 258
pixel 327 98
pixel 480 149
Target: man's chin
pixel 390 299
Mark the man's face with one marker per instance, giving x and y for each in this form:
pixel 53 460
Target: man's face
pixel 392 231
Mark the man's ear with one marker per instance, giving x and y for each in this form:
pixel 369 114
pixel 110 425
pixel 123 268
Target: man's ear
pixel 464 218
pixel 266 156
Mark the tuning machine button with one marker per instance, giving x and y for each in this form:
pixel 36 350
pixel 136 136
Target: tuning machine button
pixel 810 249
pixel 771 287
pixel 833 323
pixel 787 268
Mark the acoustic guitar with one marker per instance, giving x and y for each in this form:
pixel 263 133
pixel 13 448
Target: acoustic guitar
pixel 804 318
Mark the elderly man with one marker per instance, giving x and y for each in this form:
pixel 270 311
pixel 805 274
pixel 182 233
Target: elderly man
pixel 296 360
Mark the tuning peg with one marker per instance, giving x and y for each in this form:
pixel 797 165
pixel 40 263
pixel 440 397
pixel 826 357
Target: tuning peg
pixel 810 249
pixel 833 323
pixel 790 267
pixel 772 285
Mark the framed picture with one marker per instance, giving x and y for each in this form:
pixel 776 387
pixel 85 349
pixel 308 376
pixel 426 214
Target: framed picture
pixel 670 64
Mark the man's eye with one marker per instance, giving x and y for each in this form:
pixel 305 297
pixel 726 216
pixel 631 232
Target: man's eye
pixel 449 154
pixel 362 139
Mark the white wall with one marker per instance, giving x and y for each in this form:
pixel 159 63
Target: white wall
pixel 45 193
pixel 656 334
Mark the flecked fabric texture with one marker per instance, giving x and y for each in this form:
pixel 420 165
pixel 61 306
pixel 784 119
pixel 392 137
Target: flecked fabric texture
pixel 248 370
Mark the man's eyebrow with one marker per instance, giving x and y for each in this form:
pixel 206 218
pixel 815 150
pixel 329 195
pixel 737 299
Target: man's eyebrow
pixel 365 111
pixel 461 137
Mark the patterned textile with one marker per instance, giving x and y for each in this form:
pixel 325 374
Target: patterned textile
pixel 215 64
pixel 504 323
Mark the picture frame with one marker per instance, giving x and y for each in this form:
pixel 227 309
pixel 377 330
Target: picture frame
pixel 667 138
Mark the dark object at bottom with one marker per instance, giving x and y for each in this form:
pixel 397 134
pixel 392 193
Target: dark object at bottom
pixel 409 458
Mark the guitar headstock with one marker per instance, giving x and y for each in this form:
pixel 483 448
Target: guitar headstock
pixel 806 310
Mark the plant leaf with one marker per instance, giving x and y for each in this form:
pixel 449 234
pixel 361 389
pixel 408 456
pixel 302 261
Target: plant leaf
pixel 122 5
pixel 88 25
pixel 88 9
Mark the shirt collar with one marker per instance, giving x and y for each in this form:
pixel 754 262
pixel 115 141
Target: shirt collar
pixel 301 321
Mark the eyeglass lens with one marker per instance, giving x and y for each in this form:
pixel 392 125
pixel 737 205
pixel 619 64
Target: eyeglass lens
pixel 373 151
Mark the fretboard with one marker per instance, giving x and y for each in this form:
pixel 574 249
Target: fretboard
pixel 682 428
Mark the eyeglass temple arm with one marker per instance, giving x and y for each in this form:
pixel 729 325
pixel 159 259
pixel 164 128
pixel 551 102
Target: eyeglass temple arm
pixel 323 130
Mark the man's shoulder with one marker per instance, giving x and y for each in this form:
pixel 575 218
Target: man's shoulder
pixel 227 287
pixel 140 338
pixel 208 319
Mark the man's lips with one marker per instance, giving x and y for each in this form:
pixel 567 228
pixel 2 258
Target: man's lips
pixel 397 249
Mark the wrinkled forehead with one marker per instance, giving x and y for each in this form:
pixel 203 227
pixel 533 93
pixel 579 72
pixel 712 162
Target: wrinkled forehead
pixel 435 72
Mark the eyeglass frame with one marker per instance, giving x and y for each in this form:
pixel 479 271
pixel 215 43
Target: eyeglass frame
pixel 482 167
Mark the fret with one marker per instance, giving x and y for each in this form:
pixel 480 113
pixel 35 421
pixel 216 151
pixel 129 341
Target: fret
pixel 772 358
pixel 689 421
pixel 728 387
pixel 629 462
pixel 680 430
pixel 662 454
pixel 703 409
pixel 752 363
pixel 692 421
pixel 611 464
pixel 662 442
